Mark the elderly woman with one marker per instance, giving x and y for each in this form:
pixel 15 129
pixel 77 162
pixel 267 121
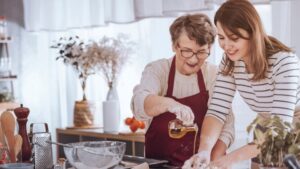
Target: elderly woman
pixel 180 87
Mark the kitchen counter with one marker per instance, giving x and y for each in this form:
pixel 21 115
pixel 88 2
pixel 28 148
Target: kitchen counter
pixel 134 144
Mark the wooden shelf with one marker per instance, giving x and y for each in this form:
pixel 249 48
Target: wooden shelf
pixel 99 133
pixel 6 39
pixel 8 78
pixel 134 141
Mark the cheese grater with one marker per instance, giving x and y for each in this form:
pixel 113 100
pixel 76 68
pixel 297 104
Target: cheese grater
pixel 41 150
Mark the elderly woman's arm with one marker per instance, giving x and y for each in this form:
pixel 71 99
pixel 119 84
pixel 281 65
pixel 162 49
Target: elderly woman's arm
pixel 148 100
pixel 155 105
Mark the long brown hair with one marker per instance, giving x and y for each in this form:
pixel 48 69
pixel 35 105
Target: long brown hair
pixel 241 14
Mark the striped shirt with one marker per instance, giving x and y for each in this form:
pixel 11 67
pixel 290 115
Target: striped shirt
pixel 278 93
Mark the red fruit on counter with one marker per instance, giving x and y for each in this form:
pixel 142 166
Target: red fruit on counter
pixel 128 121
pixel 141 125
pixel 134 125
pixel 133 128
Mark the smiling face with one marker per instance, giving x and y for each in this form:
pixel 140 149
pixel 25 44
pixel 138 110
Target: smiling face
pixel 184 47
pixel 235 47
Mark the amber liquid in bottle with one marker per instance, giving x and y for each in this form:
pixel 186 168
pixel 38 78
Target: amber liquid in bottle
pixel 177 130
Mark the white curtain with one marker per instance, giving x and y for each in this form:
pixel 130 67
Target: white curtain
pixel 65 14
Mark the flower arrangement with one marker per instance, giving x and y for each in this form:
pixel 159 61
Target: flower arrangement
pixel 108 55
pixel 275 139
pixel 111 54
pixel 73 52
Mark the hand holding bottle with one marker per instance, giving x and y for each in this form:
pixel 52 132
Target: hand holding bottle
pixel 182 112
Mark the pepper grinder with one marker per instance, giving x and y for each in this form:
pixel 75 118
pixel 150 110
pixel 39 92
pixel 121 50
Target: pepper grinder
pixel 22 114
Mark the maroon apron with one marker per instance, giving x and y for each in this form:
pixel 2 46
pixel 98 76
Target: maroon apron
pixel 158 144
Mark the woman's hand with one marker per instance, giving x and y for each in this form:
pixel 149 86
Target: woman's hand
pixel 224 162
pixel 182 112
pixel 198 160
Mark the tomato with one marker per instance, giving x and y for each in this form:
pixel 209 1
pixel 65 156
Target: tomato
pixel 141 124
pixel 128 121
pixel 133 128
pixel 134 125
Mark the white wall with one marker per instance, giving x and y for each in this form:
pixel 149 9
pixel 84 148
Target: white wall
pixel 295 26
pixel 285 23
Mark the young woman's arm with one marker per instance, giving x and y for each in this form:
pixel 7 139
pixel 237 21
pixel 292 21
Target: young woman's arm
pixel 244 153
pixel 228 132
pixel 218 110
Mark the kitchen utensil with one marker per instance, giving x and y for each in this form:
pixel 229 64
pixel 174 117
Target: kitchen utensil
pixel 18 144
pixel 8 123
pixel 17 166
pixel 74 153
pixel 136 160
pixel 95 155
pixel 42 151
pixel 2 137
pixel 291 162
pixel 64 145
pixel 22 114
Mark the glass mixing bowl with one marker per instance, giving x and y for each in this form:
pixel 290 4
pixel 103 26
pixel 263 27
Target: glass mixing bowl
pixel 95 154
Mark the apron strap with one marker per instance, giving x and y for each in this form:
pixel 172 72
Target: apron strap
pixel 171 78
pixel 201 82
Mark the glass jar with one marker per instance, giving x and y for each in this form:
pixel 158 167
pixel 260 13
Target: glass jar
pixel 3 27
pixel 5 62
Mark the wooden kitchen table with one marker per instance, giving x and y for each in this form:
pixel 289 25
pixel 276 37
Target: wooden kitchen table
pixel 134 141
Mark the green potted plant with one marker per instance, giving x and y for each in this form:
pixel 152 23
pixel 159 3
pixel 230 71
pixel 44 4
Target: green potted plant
pixel 275 139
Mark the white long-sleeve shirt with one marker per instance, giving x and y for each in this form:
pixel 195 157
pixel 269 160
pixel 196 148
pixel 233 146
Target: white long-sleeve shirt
pixel 278 94
pixel 155 81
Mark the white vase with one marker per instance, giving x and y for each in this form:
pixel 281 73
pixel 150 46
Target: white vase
pixel 111 111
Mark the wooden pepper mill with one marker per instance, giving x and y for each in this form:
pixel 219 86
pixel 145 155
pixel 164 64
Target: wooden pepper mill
pixel 22 114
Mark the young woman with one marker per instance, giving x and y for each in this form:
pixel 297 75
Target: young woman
pixel 263 70
pixel 180 87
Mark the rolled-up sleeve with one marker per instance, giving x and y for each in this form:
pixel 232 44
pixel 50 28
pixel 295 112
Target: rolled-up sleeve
pixel 151 83
pixel 228 132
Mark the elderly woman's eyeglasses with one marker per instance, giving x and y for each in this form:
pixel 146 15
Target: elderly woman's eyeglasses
pixel 186 53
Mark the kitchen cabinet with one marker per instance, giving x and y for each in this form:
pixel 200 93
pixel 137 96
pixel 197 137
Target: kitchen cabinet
pixel 134 141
